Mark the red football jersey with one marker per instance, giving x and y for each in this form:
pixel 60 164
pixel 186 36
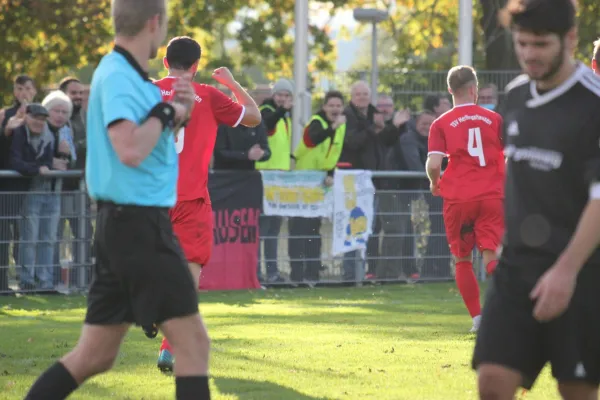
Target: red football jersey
pixel 195 143
pixel 471 137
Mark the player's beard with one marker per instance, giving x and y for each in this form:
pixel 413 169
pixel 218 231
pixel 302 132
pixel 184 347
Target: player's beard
pixel 555 65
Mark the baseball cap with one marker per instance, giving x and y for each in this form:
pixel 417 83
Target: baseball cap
pixel 36 110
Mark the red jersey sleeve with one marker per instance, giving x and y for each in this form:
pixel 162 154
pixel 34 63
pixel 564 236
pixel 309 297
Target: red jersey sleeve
pixel 437 140
pixel 225 110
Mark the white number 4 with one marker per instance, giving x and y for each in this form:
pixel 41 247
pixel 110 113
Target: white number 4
pixel 180 137
pixel 476 145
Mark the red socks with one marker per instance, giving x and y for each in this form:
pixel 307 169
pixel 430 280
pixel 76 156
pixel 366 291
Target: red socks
pixel 468 287
pixel 491 267
pixel 165 345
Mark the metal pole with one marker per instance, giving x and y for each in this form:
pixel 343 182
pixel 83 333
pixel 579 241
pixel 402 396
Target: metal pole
pixel 374 64
pixel 465 32
pixel 300 71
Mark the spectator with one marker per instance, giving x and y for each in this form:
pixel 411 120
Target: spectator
pixel 396 124
pixel 73 88
pixel 24 91
pixel 319 150
pixel 73 205
pixel 488 96
pixel 437 104
pixel 276 113
pixel 365 145
pixel 31 154
pixel 413 146
pixel 10 200
pixel 241 147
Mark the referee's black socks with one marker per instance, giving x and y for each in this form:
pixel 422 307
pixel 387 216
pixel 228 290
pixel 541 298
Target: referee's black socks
pixel 56 383
pixel 192 388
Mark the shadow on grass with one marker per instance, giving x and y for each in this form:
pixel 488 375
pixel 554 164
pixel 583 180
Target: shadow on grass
pixel 247 389
pixel 247 298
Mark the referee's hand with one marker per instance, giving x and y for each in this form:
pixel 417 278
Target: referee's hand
pixel 553 291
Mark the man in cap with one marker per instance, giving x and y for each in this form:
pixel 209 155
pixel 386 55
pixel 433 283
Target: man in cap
pixel 277 116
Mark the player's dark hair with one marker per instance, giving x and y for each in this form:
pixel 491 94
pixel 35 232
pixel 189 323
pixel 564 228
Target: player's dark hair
pixel 333 94
pixel 23 79
pixel 596 54
pixel 540 16
pixel 460 77
pixel 65 82
pixel 183 52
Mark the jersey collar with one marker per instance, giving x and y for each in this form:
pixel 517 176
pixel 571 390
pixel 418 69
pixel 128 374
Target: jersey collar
pixel 538 100
pixel 132 62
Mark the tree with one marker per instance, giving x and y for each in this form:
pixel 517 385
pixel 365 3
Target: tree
pixel 46 38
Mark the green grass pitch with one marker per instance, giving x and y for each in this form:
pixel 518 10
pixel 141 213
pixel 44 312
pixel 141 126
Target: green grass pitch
pixel 376 342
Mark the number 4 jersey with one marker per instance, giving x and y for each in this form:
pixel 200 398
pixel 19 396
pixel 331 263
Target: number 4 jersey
pixel 471 137
pixel 195 143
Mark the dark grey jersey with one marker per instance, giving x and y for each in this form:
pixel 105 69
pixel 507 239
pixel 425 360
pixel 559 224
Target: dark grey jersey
pixel 552 142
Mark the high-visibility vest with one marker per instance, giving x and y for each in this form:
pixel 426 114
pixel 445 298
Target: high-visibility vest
pixel 280 143
pixel 324 156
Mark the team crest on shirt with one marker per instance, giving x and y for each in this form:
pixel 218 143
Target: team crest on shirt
pixel 513 129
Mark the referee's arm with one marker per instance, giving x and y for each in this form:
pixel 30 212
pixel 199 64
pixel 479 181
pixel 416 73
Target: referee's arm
pixel 133 142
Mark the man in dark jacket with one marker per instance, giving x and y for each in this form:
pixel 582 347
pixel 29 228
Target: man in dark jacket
pixel 32 155
pixel 365 146
pixel 385 264
pixel 239 148
pixel 24 91
pixel 276 113
pixel 413 146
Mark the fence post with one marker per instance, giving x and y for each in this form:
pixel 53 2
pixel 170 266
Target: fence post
pixel 81 222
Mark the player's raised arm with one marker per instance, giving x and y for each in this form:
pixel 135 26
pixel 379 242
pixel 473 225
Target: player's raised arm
pixel 133 142
pixel 251 115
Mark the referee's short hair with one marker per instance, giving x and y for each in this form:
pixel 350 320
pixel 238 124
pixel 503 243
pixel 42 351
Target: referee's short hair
pixel 461 77
pixel 130 16
pixel 596 54
pixel 540 16
pixel 183 52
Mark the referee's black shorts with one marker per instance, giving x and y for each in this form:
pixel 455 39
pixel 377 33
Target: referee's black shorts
pixel 510 336
pixel 140 275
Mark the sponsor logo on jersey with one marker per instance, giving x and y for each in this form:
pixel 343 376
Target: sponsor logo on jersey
pixel 540 159
pixel 167 93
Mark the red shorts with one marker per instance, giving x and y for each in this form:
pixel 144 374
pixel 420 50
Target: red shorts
pixel 478 223
pixel 193 225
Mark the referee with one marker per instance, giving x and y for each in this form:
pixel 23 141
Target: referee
pixel 141 276
pixel 543 303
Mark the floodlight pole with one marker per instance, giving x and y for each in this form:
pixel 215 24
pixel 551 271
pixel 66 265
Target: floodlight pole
pixel 302 107
pixel 465 33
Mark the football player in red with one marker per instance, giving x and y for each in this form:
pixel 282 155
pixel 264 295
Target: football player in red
pixel 472 186
pixel 192 216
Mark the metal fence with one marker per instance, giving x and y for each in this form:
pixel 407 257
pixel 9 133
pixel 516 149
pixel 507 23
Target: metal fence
pixel 46 240
pixel 407 87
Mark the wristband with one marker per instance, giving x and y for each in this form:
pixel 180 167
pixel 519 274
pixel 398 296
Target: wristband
pixel 165 113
